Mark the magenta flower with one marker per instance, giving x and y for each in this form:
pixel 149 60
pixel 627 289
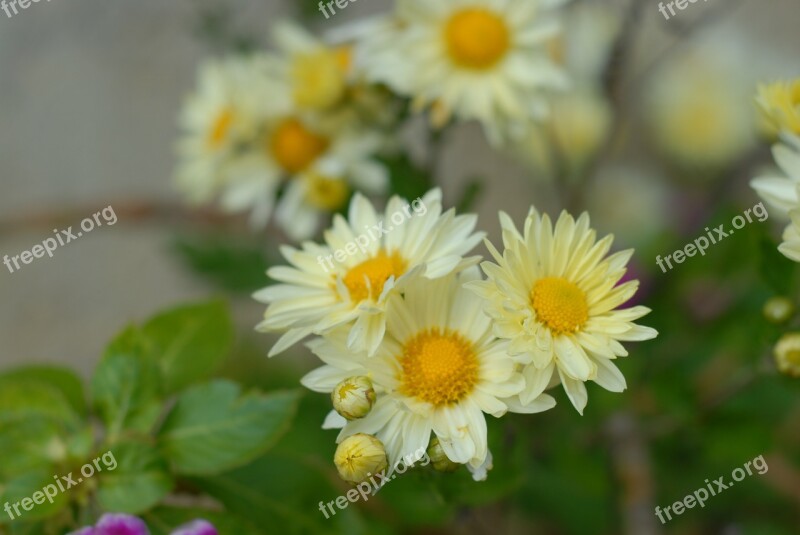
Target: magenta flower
pixel 197 527
pixel 120 524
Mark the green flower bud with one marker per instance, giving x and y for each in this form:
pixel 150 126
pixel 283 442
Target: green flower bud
pixel 354 397
pixel 359 456
pixel 440 461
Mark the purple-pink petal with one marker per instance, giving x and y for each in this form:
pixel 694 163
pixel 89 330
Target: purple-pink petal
pixel 197 527
pixel 120 524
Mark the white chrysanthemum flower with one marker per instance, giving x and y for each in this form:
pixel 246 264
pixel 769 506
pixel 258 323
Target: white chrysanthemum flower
pixel 223 115
pixel 780 192
pixel 698 109
pixel 473 59
pixel 364 260
pixel 554 295
pixel 438 370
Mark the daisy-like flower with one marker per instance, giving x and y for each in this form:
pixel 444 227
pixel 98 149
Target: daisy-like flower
pixel 438 370
pixel 222 117
pixel 365 259
pixel 780 192
pixel 780 106
pixel 696 109
pixel 473 59
pixel 553 293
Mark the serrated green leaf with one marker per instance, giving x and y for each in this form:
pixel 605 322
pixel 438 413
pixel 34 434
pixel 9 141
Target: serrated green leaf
pixel 139 481
pixel 189 343
pixel 126 386
pixel 214 427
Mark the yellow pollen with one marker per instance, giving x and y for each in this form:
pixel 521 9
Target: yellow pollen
pixel 366 280
pixel 438 367
pixel 559 304
pixel 476 38
pixel 295 147
pixel 220 128
pixel 326 193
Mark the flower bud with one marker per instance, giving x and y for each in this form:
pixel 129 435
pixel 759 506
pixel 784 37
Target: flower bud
pixel 778 309
pixel 439 459
pixel 354 397
pixel 359 456
pixel 787 354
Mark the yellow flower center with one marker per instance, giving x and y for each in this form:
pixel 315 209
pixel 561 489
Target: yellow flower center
pixel 439 367
pixel 220 128
pixel 326 193
pixel 559 304
pixel 476 38
pixel 366 280
pixel 295 147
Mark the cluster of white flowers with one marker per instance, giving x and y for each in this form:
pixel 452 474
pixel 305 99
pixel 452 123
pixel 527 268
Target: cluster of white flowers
pixel 297 120
pixel 417 347
pixel 295 131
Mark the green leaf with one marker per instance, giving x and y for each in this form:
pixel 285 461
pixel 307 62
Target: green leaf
pixel 164 520
pixel 30 486
pixel 30 444
pixel 214 427
pixel 24 399
pixel 139 481
pixel 235 267
pixel 189 343
pixel 63 380
pixel 125 387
